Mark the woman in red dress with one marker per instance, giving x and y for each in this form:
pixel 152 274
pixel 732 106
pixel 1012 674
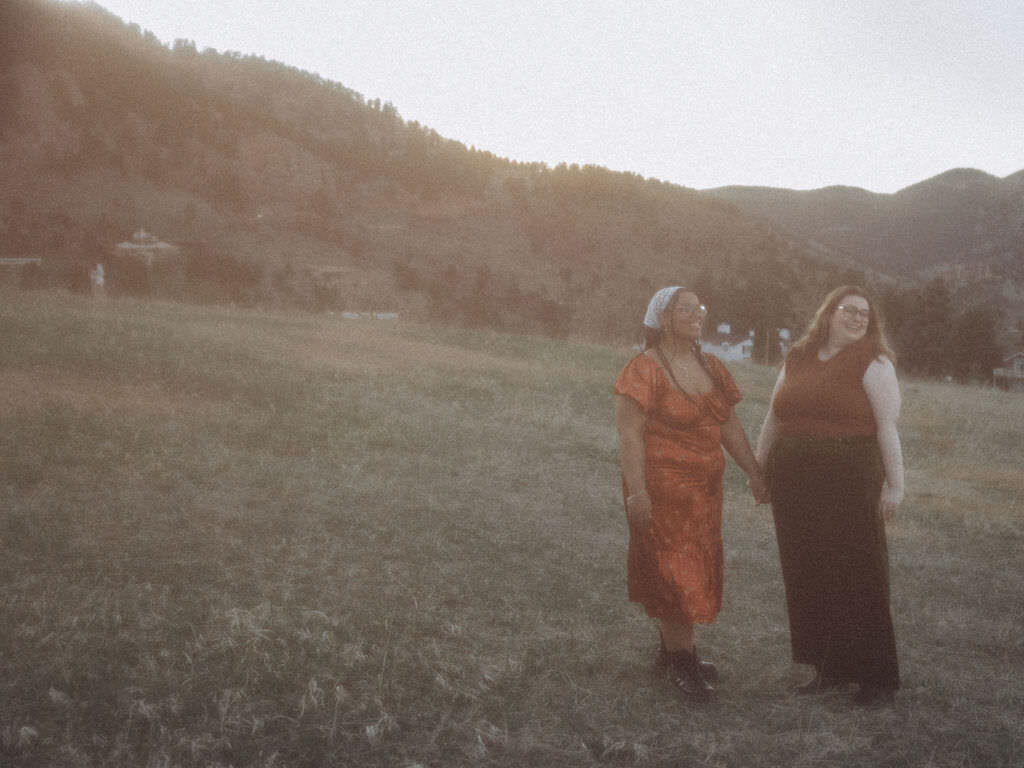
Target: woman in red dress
pixel 674 412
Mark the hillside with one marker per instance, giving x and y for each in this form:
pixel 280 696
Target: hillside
pixel 963 226
pixel 962 216
pixel 271 178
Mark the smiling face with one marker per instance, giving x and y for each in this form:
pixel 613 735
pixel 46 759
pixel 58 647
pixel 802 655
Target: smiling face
pixel 849 321
pixel 685 316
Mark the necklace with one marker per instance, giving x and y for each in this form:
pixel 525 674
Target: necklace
pixel 684 366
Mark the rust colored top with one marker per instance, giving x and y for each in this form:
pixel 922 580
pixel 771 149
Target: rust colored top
pixel 826 398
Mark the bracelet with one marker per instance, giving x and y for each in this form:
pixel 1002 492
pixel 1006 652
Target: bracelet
pixel 638 493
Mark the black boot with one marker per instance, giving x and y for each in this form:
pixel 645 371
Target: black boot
pixel 683 671
pixel 707 668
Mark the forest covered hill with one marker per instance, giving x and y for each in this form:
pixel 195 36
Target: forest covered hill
pixel 963 221
pixel 962 227
pixel 283 189
pixel 272 175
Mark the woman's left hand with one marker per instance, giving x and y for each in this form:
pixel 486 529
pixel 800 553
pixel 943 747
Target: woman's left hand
pixel 891 498
pixel 759 488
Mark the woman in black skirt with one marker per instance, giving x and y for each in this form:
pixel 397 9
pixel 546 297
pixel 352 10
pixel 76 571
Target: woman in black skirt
pixel 835 470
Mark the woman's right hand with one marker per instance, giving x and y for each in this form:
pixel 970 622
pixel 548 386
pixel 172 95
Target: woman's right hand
pixel 638 510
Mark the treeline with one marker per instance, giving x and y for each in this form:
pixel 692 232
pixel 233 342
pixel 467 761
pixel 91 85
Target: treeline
pixel 286 190
pixel 936 336
pixel 264 168
pixel 205 275
pixel 199 275
pixel 934 333
pixel 483 299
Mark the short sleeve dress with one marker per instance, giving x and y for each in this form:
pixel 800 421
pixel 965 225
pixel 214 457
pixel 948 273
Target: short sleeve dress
pixel 675 569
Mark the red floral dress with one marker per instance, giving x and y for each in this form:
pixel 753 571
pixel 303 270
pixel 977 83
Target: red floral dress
pixel 675 569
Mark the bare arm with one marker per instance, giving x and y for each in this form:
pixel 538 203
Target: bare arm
pixel 884 394
pixel 630 421
pixel 769 429
pixel 734 440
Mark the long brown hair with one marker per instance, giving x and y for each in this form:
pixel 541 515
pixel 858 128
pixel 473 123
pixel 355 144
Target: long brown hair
pixel 817 334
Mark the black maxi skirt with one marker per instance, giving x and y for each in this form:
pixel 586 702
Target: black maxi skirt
pixel 835 562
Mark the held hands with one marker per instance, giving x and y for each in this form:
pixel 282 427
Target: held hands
pixel 758 488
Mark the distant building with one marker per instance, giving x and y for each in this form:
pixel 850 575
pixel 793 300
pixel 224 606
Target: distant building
pixel 726 345
pixel 98 280
pixel 147 248
pixel 1011 375
pixel 785 339
pixel 146 266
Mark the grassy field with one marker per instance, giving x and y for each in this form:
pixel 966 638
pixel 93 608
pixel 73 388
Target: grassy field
pixel 241 539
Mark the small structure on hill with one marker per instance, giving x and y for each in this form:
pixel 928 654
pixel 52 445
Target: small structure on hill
pixel 785 341
pixel 98 280
pixel 146 265
pixel 726 345
pixel 147 248
pixel 1011 375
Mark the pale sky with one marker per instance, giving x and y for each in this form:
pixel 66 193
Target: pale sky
pixel 879 94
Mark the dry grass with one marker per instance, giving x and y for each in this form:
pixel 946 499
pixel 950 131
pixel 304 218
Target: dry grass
pixel 275 540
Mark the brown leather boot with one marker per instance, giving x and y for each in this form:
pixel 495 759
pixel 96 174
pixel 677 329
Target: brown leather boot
pixel 684 672
pixel 707 668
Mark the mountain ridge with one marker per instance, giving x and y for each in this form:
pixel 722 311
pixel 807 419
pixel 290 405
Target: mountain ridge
pixel 962 215
pixel 274 177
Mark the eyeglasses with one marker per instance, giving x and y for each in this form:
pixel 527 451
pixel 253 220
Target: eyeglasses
pixel 692 310
pixel 855 313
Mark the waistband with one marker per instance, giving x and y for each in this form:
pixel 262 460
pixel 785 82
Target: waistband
pixel 826 446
